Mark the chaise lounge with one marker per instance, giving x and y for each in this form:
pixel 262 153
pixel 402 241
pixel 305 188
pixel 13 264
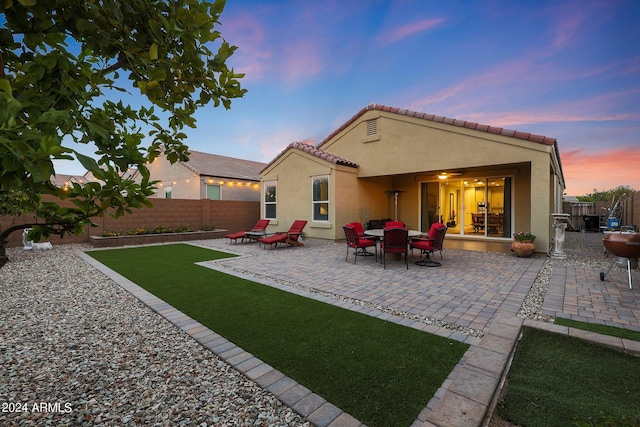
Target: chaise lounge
pixel 257 230
pixel 289 238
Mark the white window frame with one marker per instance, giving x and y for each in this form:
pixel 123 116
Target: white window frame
pixel 314 202
pixel 168 192
pixel 273 203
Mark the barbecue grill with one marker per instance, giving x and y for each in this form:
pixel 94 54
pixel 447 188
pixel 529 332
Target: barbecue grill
pixel 625 246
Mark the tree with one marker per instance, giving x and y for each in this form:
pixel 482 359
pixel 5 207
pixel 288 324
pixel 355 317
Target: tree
pixel 617 193
pixel 67 68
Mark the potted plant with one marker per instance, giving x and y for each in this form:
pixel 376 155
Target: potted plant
pixel 523 245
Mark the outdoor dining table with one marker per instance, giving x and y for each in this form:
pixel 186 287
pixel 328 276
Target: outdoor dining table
pixel 379 233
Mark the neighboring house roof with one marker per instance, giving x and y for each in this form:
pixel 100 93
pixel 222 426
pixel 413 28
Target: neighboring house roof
pixel 316 152
pixel 441 119
pixel 62 180
pixel 223 167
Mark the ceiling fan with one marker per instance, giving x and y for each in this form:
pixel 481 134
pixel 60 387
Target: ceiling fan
pixel 447 175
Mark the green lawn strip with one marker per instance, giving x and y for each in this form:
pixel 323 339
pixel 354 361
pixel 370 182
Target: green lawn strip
pixel 557 380
pixel 600 329
pixel 379 372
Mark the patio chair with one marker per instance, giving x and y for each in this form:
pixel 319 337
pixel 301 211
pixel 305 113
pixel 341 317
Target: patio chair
pixel 358 228
pixel 260 226
pixel 360 244
pixel 389 224
pixel 395 241
pixel 289 238
pixel 433 242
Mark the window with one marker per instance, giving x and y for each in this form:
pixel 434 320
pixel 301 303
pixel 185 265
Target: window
pixel 320 189
pixel 167 192
pixel 213 192
pixel 270 198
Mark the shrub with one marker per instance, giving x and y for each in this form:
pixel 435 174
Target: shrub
pixel 160 229
pixel 137 231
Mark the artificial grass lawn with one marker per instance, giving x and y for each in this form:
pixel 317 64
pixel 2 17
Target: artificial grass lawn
pixel 557 380
pixel 600 329
pixel 379 372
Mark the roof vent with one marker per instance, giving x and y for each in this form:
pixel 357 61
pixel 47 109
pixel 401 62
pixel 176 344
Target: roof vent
pixel 372 127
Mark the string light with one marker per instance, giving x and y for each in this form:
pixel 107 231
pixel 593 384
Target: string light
pixel 211 181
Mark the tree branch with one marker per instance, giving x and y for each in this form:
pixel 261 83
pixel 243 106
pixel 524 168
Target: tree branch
pixel 2 74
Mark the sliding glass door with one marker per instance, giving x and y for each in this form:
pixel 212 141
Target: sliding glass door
pixel 468 206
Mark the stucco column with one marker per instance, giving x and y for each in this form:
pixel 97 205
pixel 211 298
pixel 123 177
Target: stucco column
pixel 559 227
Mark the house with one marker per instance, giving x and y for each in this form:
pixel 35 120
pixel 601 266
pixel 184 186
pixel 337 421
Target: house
pixel 207 176
pixel 485 183
pixel 66 181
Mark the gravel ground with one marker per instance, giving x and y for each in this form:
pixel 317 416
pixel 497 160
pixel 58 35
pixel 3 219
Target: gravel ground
pixel 76 349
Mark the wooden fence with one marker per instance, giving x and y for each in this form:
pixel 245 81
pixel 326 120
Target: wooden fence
pixel 232 215
pixel 578 210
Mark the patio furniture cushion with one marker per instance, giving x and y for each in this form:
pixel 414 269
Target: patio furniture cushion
pixel 394 224
pixel 358 228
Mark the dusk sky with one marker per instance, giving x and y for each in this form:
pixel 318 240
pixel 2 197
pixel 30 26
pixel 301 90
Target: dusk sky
pixel 564 69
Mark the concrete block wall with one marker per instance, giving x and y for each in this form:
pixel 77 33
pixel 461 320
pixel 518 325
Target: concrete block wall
pixel 230 215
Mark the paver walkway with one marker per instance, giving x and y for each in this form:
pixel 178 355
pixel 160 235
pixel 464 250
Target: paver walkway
pixel 473 297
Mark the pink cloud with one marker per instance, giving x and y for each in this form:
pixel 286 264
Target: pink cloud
pixel 253 55
pixel 268 49
pixel 602 170
pixel 397 34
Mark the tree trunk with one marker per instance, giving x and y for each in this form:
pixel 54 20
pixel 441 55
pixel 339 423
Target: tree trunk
pixel 3 250
pixel 3 241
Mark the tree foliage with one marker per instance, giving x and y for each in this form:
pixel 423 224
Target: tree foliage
pixel 607 196
pixel 68 70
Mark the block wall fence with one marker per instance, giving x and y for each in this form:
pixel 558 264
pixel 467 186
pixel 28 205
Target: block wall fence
pixel 229 215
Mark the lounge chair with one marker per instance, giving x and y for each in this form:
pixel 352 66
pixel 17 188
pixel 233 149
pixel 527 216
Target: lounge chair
pixel 290 237
pixel 260 227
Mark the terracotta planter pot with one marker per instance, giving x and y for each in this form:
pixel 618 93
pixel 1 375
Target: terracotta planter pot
pixel 523 248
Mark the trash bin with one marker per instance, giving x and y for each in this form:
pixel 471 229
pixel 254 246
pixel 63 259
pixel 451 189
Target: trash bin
pixel 591 222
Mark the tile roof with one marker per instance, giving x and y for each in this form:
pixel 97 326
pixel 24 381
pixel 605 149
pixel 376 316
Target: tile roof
pixel 60 180
pixel 316 152
pixel 446 120
pixel 223 167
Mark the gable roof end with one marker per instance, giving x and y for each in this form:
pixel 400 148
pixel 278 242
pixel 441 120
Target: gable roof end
pixel 316 152
pixel 446 120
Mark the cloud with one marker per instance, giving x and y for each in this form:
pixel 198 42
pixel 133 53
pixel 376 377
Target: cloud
pixel 254 53
pixel 603 170
pixel 396 34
